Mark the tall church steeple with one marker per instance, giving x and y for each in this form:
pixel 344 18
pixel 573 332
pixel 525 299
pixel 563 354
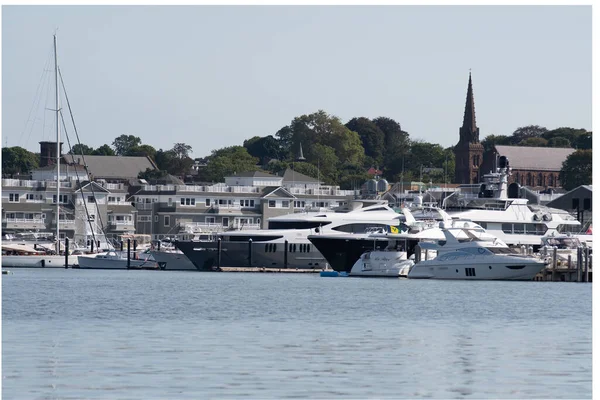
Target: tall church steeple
pixel 468 151
pixel 469 132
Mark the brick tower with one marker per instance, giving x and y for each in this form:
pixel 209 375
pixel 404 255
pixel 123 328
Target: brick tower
pixel 468 151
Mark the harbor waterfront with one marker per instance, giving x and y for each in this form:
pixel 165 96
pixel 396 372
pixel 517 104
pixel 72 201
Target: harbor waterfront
pixel 175 334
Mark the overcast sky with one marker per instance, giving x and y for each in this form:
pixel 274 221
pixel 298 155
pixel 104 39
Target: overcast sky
pixel 214 76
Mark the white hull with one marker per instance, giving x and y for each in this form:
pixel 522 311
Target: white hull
pixel 173 261
pixel 524 269
pixel 382 264
pixel 107 262
pixel 36 261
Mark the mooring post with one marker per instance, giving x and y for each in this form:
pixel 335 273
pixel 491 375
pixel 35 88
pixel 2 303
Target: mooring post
pixel 128 253
pixel 219 252
pixel 66 252
pixel 92 246
pixel 250 252
pixel 586 257
pixel 554 262
pixel 285 255
pixel 579 263
pixel 121 246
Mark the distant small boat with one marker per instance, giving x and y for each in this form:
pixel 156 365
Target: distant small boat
pixel 382 264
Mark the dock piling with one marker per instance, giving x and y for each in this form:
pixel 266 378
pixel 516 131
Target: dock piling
pixel 219 253
pixel 250 252
pixel 128 253
pixel 66 252
pixel 285 254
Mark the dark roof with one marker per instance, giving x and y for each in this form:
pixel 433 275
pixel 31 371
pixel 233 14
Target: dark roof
pixel 23 207
pixel 294 176
pixel 114 167
pixel 534 158
pixel 254 174
pixel 121 209
pixel 565 201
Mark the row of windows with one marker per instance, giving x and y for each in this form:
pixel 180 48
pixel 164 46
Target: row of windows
pixel 529 179
pixel 26 215
pixel 524 229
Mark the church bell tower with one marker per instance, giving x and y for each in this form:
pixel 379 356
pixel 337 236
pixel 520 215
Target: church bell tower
pixel 468 151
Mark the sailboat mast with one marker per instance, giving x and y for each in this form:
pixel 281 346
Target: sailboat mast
pixel 57 150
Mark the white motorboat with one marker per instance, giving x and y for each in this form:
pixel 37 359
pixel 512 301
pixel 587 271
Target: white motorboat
pixel 382 264
pixel 116 260
pixel 475 259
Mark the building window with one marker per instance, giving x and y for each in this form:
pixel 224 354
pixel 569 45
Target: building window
pixel 14 198
pixel 170 202
pixel 207 203
pixel 30 196
pixel 299 204
pixel 156 218
pixel 529 179
pixel 540 179
pixel 272 204
pixel 91 199
pixel 188 201
pixel 144 218
pixel 210 220
pixel 285 204
pixel 167 220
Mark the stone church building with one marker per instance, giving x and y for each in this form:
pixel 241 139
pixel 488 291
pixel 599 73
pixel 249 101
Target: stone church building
pixel 531 166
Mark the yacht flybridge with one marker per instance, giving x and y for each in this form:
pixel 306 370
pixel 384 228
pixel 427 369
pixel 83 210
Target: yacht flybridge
pixel 285 244
pixel 513 220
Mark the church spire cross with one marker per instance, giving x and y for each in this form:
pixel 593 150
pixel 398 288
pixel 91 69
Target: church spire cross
pixel 469 123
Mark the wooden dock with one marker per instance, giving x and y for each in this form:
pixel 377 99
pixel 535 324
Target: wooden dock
pixel 268 270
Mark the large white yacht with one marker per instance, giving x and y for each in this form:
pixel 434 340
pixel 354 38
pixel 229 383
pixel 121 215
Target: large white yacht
pixel 285 244
pixel 513 220
pixel 475 259
pixel 344 251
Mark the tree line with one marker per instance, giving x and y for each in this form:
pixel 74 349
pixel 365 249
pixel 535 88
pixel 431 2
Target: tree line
pixel 334 152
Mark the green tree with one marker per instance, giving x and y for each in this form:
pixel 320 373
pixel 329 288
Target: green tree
pixel 326 161
pixel 576 170
pixel 143 150
pixel 284 137
pixel 570 134
pixel 534 142
pixel 18 160
pixel 104 150
pixel 559 142
pixel 397 145
pixel 492 140
pixel 164 159
pixel 226 161
pixel 150 174
pixel 584 142
pixel 180 161
pixel 264 148
pixel 526 132
pixel 372 138
pixel 308 169
pixel 79 149
pixel 124 143
pixel 182 150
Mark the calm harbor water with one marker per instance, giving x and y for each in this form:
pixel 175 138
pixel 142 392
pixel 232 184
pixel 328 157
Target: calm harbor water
pixel 81 334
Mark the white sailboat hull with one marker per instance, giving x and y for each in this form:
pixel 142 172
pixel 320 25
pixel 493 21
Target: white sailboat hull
pixel 36 261
pixel 107 262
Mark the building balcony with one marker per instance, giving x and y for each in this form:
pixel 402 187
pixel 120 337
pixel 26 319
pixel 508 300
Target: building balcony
pixel 118 226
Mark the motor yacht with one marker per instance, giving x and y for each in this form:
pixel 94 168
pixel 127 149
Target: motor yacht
pixel 475 259
pixel 509 218
pixel 285 244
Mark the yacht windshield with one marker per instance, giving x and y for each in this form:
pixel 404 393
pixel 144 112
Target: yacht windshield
pixel 297 224
pixel 502 250
pixel 562 243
